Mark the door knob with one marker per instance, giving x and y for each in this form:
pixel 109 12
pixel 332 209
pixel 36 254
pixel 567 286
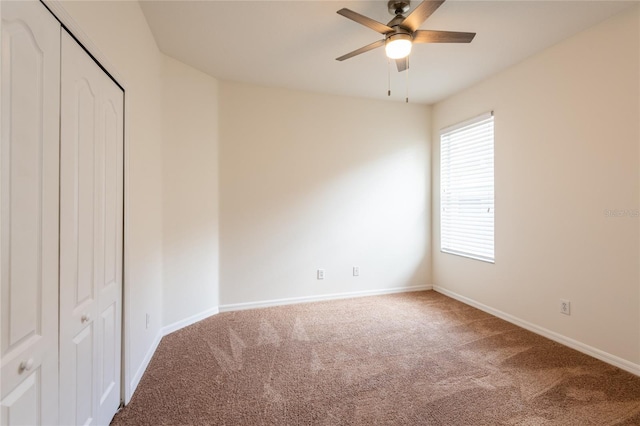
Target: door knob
pixel 85 318
pixel 25 365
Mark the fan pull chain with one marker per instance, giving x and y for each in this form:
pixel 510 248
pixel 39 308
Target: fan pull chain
pixel 388 77
pixel 407 83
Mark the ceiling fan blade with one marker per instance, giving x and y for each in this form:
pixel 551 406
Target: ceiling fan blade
pixel 367 22
pixel 366 48
pixel 430 36
pixel 402 64
pixel 420 14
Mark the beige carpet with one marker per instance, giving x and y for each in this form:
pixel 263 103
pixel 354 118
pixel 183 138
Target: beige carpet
pixel 405 359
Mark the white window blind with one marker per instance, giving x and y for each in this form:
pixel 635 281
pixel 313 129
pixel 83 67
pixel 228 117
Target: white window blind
pixel 466 189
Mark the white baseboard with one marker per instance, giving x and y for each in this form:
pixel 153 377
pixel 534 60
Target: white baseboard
pixel 567 341
pixel 168 329
pixel 144 364
pixel 306 299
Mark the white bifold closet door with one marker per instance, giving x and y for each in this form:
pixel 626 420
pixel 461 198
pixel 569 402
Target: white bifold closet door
pixel 29 214
pixel 91 203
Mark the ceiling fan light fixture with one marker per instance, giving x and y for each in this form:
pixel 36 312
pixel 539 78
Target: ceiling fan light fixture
pixel 398 46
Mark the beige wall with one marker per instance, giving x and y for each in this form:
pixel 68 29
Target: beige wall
pixel 312 181
pixel 566 150
pixel 190 178
pixel 120 31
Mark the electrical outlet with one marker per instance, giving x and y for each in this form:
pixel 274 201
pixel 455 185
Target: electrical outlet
pixel 565 307
pixel 321 274
pixel 148 319
pixel 356 271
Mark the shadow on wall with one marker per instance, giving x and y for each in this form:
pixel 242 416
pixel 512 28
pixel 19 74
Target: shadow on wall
pixel 314 181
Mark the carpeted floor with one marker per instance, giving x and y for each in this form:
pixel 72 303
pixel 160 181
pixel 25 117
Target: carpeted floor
pixel 405 359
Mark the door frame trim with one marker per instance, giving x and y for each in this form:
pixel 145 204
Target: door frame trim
pixel 73 28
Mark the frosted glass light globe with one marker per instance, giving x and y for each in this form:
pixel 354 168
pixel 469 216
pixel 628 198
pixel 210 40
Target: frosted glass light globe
pixel 398 47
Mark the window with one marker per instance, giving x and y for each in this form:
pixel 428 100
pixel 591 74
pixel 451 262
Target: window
pixel 466 189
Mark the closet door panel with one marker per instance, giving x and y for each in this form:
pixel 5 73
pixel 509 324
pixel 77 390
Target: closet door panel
pixel 90 239
pixel 78 307
pixel 110 281
pixel 23 177
pixel 21 405
pixel 78 168
pixel 82 359
pixel 29 156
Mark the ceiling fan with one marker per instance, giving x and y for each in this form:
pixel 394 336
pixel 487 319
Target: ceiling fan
pixel 401 32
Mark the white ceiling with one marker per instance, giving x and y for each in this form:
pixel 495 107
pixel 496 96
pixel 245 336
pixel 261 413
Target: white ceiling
pixel 293 44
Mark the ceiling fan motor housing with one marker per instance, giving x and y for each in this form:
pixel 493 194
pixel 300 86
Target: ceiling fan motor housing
pixel 399 34
pixel 398 7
